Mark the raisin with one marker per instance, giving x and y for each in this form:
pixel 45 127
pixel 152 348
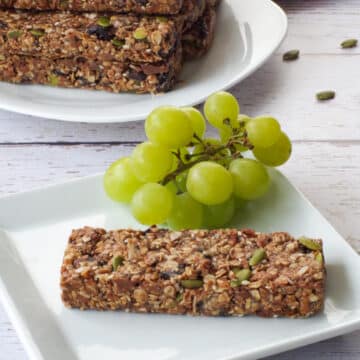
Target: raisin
pixel 136 75
pixel 142 2
pixel 3 25
pixel 100 32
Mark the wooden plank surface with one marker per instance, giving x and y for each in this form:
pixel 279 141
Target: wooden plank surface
pixel 326 161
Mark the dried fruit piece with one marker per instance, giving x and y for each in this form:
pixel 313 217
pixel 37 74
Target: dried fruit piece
pixel 102 33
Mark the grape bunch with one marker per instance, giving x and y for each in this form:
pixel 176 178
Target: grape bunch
pixel 187 181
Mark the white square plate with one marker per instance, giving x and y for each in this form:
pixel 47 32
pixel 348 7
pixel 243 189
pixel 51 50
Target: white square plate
pixel 36 225
pixel 247 33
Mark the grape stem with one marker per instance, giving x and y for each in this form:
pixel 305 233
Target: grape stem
pixel 209 153
pixel 181 168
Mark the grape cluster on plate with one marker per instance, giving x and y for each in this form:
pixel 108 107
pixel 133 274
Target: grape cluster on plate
pixel 180 178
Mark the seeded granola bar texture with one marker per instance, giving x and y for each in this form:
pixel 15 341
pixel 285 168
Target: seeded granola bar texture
pixel 83 73
pixel 198 39
pixel 165 7
pixel 115 76
pixel 197 272
pixel 55 35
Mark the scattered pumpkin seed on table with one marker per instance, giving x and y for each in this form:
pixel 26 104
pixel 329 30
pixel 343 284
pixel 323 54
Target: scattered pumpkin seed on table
pixel 291 55
pixel 325 95
pixel 348 44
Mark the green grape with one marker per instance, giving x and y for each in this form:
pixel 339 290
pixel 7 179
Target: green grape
pixel 225 134
pixel 181 181
pixel 216 216
pixel 251 179
pixel 152 204
pixel 243 119
pixel 221 107
pixel 120 183
pixel 199 148
pixel 169 126
pixel 239 203
pixel 209 183
pixel 277 154
pixel 263 131
pixel 151 162
pixel 172 187
pixel 197 121
pixel 187 213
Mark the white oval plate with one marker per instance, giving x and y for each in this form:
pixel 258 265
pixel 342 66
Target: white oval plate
pixel 247 33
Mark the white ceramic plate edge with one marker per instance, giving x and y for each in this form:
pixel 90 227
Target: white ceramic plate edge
pixel 19 323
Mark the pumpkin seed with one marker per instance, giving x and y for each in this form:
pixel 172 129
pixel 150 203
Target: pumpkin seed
pixel 192 283
pixel 309 243
pixel 257 257
pixel 117 261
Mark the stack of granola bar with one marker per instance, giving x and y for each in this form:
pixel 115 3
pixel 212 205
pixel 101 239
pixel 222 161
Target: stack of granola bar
pixel 114 45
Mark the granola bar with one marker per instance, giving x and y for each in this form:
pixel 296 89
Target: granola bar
pixel 92 74
pixel 115 37
pixel 196 272
pixel 165 7
pixel 198 39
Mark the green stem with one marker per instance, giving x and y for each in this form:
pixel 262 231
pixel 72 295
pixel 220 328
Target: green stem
pixel 208 154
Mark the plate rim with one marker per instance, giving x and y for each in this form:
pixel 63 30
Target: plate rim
pixel 34 352
pixel 50 115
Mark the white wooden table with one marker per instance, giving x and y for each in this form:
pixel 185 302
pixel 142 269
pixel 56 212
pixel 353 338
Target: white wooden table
pixel 326 160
